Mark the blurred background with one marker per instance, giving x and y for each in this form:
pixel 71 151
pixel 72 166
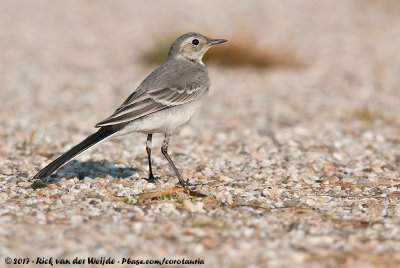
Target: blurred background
pixel 319 77
pixel 286 62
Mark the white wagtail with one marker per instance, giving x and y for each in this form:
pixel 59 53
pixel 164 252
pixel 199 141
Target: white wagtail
pixel 163 102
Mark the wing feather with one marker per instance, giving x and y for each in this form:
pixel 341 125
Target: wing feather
pixel 151 102
pixel 160 91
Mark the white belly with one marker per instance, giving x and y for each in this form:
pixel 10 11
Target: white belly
pixel 165 121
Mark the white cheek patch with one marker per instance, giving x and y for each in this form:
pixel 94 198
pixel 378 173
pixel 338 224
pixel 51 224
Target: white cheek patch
pixel 187 52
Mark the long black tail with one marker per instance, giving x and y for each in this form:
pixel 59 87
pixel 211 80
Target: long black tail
pixel 100 135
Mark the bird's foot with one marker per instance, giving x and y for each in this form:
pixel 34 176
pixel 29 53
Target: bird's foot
pixel 191 188
pixel 187 185
pixel 152 178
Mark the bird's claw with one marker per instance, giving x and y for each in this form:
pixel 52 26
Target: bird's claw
pixel 152 178
pixel 186 184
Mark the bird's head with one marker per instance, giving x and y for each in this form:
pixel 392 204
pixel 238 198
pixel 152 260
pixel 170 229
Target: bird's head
pixel 192 46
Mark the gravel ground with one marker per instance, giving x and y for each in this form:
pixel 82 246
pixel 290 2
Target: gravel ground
pixel 298 166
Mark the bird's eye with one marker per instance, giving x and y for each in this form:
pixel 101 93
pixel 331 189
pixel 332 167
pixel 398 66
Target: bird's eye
pixel 195 42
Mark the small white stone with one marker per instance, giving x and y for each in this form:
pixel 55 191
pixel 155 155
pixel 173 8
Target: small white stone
pixel 193 207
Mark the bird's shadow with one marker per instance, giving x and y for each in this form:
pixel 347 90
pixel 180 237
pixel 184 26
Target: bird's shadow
pixel 91 169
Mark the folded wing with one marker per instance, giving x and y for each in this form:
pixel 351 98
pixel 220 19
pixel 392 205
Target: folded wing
pixel 145 102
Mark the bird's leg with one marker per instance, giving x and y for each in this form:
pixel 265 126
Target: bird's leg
pixel 148 149
pixel 164 151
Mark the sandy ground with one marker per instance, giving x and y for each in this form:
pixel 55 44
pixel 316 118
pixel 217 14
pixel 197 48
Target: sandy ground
pixel 299 166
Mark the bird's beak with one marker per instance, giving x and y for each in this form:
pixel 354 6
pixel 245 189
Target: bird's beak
pixel 217 41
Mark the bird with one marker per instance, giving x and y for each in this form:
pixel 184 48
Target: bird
pixel 166 100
